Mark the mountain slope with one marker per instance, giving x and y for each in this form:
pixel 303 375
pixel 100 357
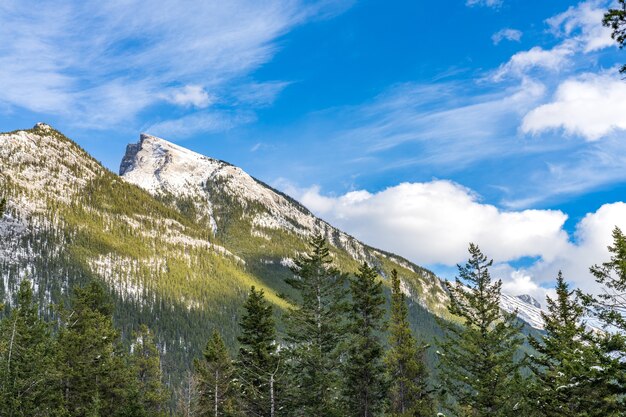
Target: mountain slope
pixel 181 263
pixel 256 222
pixel 178 239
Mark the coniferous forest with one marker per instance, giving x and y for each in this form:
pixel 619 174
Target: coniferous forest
pixel 343 351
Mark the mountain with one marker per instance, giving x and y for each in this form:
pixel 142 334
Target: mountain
pixel 178 239
pixel 529 300
pixel 526 308
pixel 258 223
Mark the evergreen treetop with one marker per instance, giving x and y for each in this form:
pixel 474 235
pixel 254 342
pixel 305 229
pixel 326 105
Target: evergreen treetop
pixel 477 358
pixel 314 331
pixel 364 384
pixel 405 361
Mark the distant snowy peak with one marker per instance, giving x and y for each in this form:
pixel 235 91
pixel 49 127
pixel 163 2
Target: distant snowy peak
pixel 525 310
pixel 158 165
pixel 529 300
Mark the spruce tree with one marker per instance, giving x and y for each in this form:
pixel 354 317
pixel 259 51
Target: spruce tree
pixel 477 358
pixel 96 375
pixel 215 381
pixel 364 385
pixel 259 366
pixel 314 331
pixel 568 366
pixel 405 360
pixel 147 367
pixel 610 308
pixel 29 381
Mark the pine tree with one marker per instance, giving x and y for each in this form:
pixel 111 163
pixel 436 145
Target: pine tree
pixel 364 385
pixel 147 367
pixel 568 365
pixel 259 365
pixel 405 360
pixel 96 373
pixel 610 308
pixel 477 358
pixel 314 331
pixel 215 380
pixel 29 382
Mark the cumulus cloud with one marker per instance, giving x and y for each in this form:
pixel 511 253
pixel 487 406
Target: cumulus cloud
pixel 433 222
pixel 191 95
pixel 506 34
pixel 590 105
pixel 589 247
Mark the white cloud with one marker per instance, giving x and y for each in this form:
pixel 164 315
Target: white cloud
pixel 592 236
pixel 584 23
pixel 589 105
pixel 536 58
pixel 487 3
pixel 59 57
pixel 433 222
pixel 191 95
pixel 582 32
pixel 438 116
pixel 508 34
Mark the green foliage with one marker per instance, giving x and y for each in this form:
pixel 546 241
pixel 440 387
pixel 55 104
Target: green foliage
pixel 610 307
pixel 477 358
pixel 3 206
pixel 259 365
pixel 610 304
pixel 216 389
pixel 96 378
pixel 570 368
pixel 146 362
pixel 405 361
pixel 364 385
pixel 616 20
pixel 314 331
pixel 29 381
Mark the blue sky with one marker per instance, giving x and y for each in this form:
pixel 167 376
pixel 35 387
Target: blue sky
pixel 416 126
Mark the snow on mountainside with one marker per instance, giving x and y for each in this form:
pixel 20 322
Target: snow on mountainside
pixel 526 307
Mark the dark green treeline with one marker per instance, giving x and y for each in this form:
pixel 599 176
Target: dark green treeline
pixel 343 352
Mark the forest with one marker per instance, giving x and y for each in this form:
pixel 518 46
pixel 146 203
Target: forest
pixel 341 351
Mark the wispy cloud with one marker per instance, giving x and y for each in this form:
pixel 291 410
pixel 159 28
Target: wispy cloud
pixel 507 34
pixel 206 122
pixel 104 62
pixel 487 3
pixel 438 117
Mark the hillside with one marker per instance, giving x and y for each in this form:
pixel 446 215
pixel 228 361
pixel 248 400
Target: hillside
pixel 179 255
